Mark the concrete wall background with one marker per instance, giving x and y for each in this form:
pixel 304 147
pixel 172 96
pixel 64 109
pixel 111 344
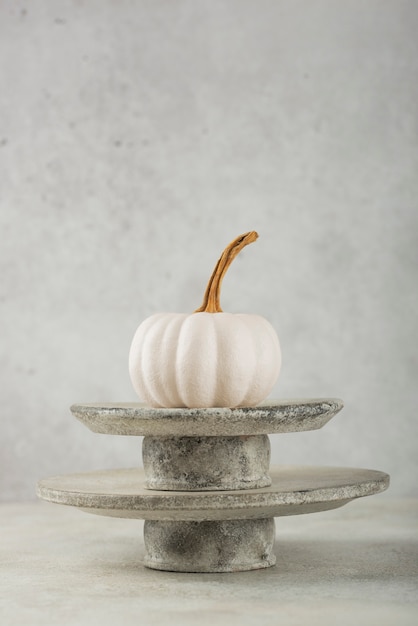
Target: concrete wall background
pixel 137 139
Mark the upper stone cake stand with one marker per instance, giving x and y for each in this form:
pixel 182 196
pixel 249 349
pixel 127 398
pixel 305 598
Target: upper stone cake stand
pixel 284 416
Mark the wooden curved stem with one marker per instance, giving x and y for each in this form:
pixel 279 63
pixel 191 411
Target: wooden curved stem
pixel 211 299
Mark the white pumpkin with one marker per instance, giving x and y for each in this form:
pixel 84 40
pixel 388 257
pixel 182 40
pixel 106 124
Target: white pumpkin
pixel 208 358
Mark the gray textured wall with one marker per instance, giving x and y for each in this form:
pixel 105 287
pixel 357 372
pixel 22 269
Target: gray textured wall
pixel 137 139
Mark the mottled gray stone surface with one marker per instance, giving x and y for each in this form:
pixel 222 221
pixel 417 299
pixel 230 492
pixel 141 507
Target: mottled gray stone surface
pixel 206 463
pixel 203 517
pixel 209 546
pixel 282 416
pixel 294 490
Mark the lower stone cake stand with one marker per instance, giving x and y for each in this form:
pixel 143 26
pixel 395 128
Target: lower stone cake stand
pixel 207 494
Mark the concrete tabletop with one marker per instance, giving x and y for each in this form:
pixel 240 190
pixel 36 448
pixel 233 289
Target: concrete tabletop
pixel 354 565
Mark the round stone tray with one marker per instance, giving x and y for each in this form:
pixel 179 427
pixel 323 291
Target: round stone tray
pixel 294 490
pixel 283 416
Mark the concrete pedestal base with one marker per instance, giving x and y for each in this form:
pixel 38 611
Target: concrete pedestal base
pixel 207 499
pixel 206 463
pixel 209 546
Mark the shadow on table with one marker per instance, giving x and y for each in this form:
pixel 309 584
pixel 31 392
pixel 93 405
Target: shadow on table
pixel 309 563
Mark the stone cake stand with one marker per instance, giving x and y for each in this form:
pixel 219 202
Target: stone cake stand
pixel 206 493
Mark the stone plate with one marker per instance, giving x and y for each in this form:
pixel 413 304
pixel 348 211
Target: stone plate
pixel 284 416
pixel 294 490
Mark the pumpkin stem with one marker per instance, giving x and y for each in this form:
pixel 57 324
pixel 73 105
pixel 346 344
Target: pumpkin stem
pixel 211 299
